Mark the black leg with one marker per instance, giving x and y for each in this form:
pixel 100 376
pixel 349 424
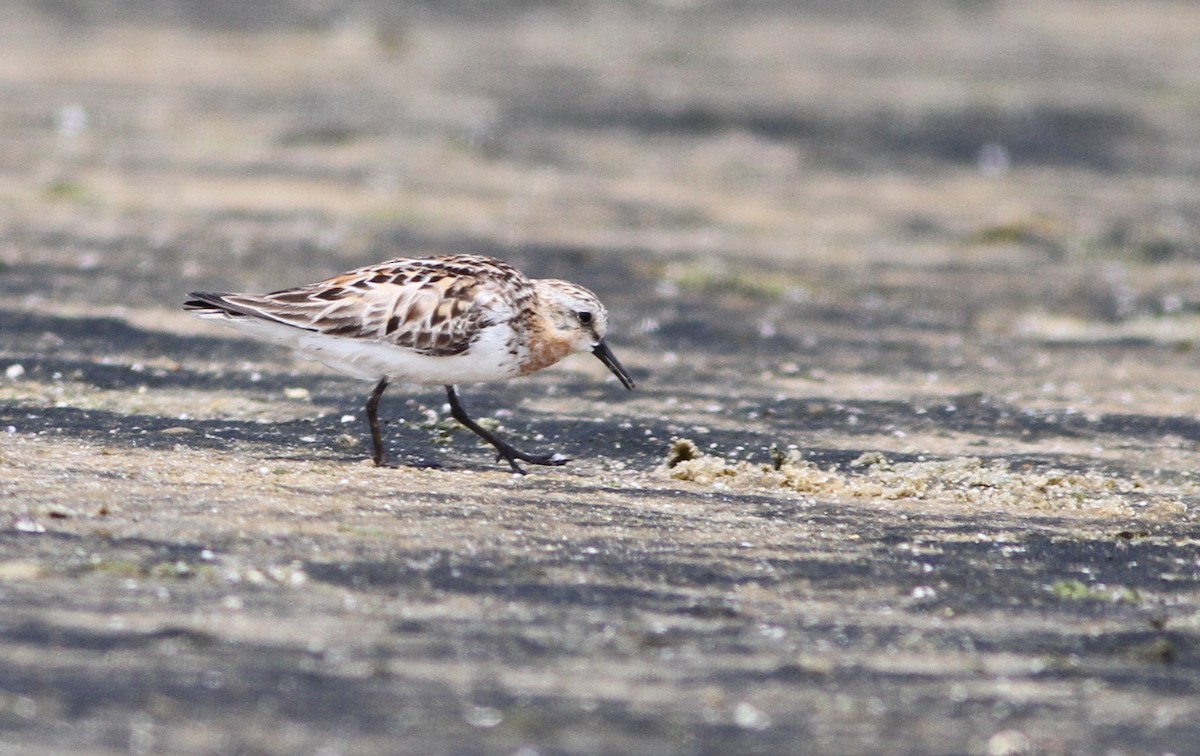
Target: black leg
pixel 373 419
pixel 503 449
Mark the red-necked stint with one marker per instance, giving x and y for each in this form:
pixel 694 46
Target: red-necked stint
pixel 437 320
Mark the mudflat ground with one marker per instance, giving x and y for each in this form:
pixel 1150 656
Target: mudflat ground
pixel 911 291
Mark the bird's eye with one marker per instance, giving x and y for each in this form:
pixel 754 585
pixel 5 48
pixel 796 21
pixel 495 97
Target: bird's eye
pixel 585 317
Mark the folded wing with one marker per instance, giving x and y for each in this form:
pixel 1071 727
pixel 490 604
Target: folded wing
pixel 433 309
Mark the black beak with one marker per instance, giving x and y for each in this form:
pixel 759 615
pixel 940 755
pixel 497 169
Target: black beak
pixel 605 355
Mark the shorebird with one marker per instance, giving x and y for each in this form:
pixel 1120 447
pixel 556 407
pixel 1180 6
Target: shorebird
pixel 432 321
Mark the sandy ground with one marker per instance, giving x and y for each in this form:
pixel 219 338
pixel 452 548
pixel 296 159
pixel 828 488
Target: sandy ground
pixel 911 296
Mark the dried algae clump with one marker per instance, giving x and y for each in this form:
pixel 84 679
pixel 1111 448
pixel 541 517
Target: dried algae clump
pixel 965 480
pixel 682 450
pixel 686 462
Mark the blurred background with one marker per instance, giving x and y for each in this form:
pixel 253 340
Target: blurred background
pixel 873 187
pixel 152 146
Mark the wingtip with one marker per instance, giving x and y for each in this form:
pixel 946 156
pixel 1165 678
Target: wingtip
pixel 204 300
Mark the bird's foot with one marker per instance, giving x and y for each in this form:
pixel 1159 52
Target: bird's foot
pixel 511 455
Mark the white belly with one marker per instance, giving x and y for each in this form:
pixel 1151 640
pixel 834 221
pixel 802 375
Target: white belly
pixel 488 359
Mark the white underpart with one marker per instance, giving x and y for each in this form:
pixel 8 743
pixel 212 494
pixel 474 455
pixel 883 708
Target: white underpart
pixel 488 359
